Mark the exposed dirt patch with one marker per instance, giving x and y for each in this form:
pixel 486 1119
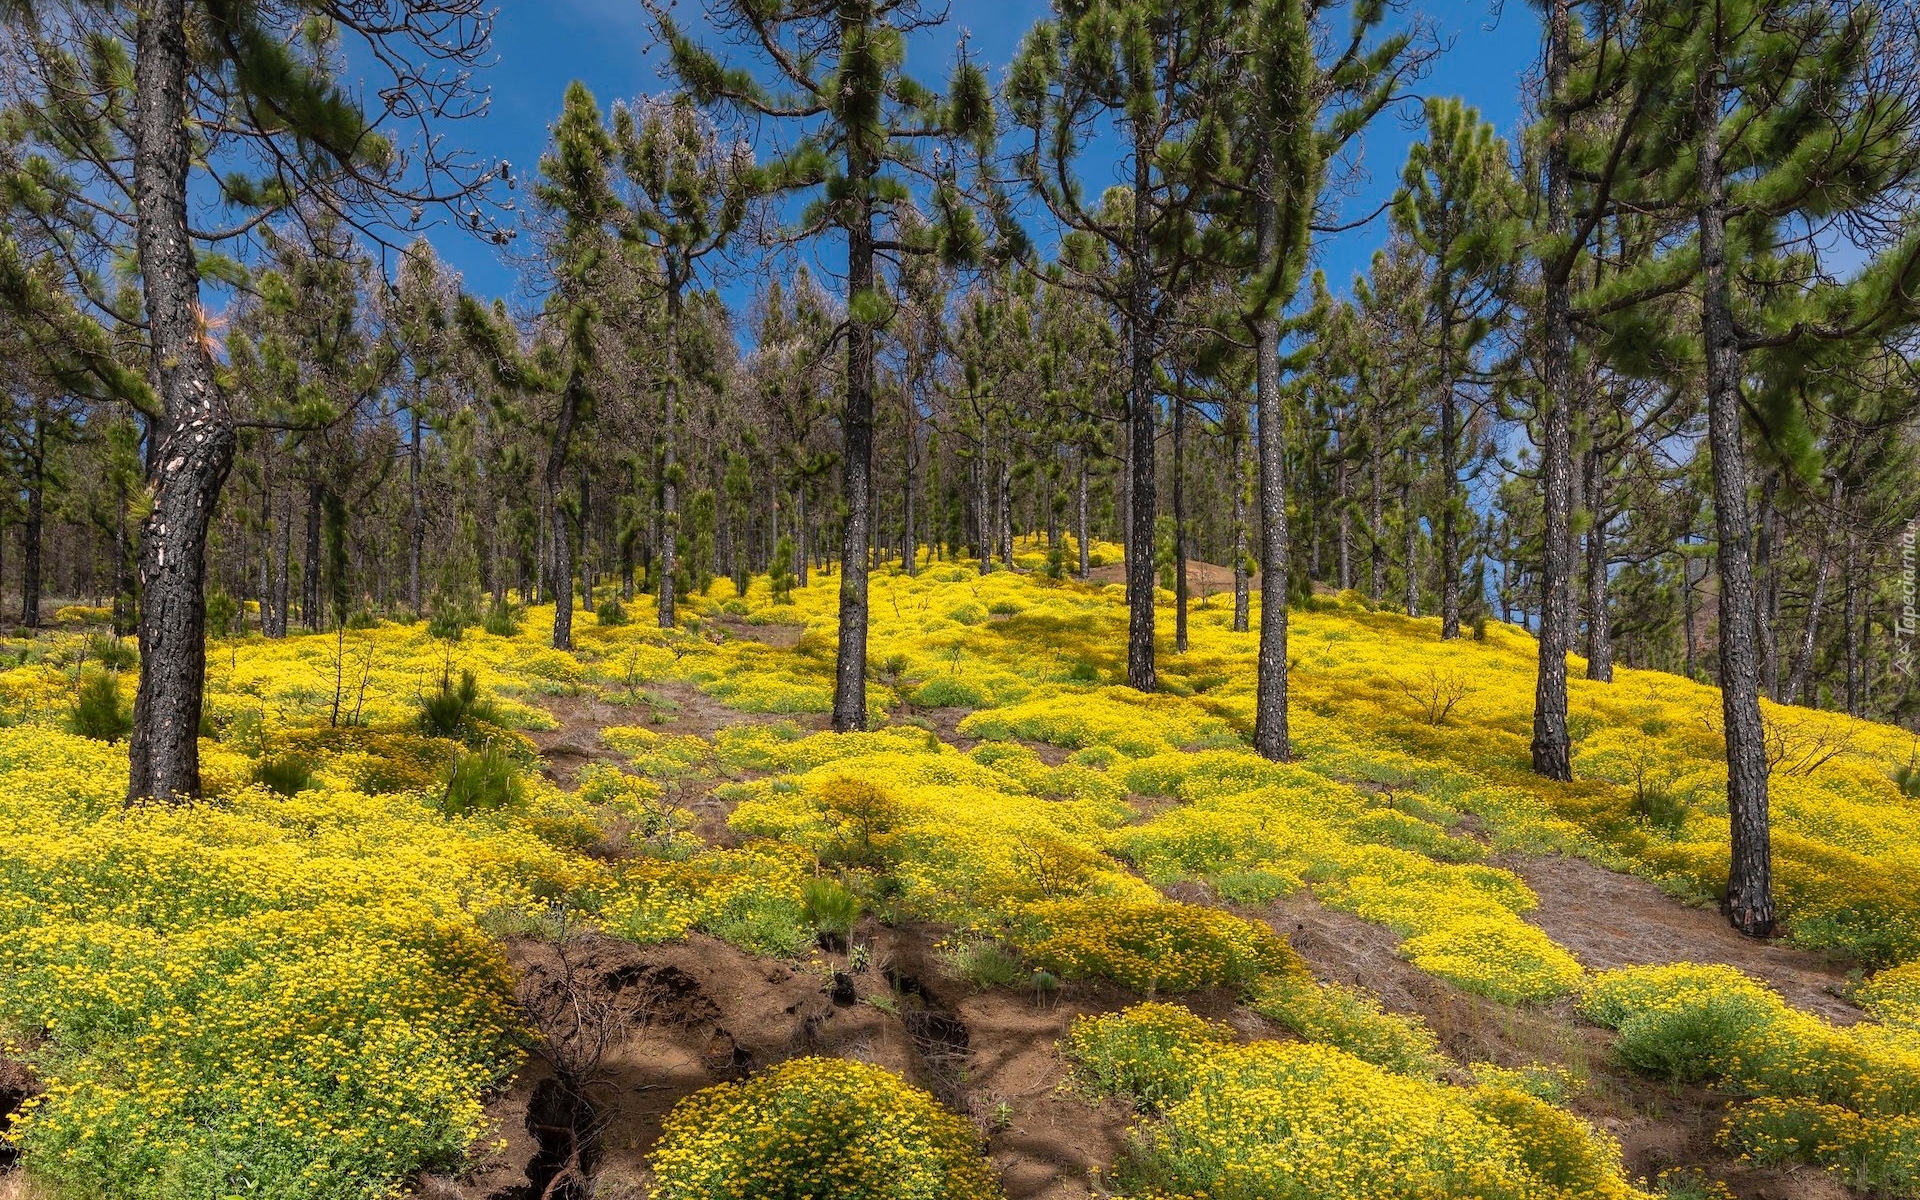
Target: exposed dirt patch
pixel 1658 1125
pixel 1610 920
pixel 17 1084
pixel 673 1019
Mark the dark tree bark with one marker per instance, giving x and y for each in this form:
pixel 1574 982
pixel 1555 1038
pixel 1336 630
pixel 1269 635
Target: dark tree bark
pixel 1376 521
pixel 1599 620
pixel 1241 584
pixel 1799 679
pixel 1552 744
pixel 310 573
pixel 1081 527
pixel 1854 635
pixel 1271 738
pixel 1450 486
pixel 416 516
pixel 30 532
pixel 669 485
pixel 196 440
pixel 1411 532
pixel 559 529
pixel 1749 900
pixel 1140 422
pixel 856 463
pixel 1179 527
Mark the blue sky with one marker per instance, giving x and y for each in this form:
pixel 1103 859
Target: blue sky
pixel 540 47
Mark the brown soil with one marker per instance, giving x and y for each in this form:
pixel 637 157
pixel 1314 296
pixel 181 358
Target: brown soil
pixel 1658 1125
pixel 664 707
pixel 1203 578
pixel 17 1084
pixel 1610 920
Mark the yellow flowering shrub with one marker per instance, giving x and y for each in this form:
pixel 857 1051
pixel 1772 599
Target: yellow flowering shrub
pixel 1268 1119
pixel 818 1129
pixel 1842 1097
pixel 281 996
pixel 1151 947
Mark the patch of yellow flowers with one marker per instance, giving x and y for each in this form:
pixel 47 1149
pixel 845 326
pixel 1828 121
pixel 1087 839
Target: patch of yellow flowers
pixel 819 1127
pixel 1263 1119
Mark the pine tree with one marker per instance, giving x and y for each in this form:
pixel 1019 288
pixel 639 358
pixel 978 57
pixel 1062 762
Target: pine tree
pixel 1454 204
pixel 861 124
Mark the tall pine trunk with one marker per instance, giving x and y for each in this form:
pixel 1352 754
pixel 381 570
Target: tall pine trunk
pixel 669 485
pixel 30 532
pixel 1179 527
pixel 1081 528
pixel 559 531
pixel 1599 619
pixel 1449 486
pixel 1552 744
pixel 1271 738
pixel 856 464
pixel 416 516
pixel 1241 585
pixel 196 439
pixel 1749 900
pixel 1141 486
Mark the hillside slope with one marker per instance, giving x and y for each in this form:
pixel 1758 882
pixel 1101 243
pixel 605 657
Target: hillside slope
pixel 1033 915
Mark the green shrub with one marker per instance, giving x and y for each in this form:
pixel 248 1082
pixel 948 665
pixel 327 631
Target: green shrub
pixel 286 773
pixel 502 620
pixel 611 612
pixel 457 710
pixel 113 653
pixel 760 921
pixel 449 622
pixel 828 907
pixel 486 779
pixel 986 964
pixel 98 711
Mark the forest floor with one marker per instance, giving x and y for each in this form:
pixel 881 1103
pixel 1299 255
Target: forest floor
pixel 672 1019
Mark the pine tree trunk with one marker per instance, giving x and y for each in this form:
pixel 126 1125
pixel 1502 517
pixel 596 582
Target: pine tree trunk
pixel 1142 499
pixel 1798 682
pixel 1853 633
pixel 1449 487
pixel 559 529
pixel 310 576
pixel 1179 528
pixel 30 532
pixel 196 444
pixel 984 478
pixel 1376 519
pixel 856 475
pixel 909 544
pixel 416 516
pixel 1081 528
pixel 1341 476
pixel 1242 603
pixel 1599 619
pixel 1552 745
pixel 802 551
pixel 669 486
pixel 1686 577
pixel 1411 532
pixel 1749 900
pixel 1271 737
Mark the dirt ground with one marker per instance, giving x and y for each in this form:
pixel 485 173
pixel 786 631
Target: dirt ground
pixel 1610 920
